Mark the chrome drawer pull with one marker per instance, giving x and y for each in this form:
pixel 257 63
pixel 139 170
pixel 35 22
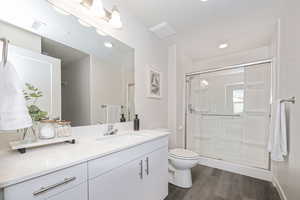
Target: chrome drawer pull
pixel 46 189
pixel 141 170
pixel 147 166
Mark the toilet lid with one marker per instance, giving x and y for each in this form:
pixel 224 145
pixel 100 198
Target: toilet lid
pixel 183 153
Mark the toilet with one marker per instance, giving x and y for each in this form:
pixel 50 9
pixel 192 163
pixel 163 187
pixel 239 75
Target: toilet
pixel 181 161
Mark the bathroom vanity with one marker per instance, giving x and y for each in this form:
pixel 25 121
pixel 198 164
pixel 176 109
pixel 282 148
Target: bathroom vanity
pixel 128 166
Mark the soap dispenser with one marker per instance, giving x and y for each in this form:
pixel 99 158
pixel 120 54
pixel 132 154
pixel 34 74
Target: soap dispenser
pixel 136 123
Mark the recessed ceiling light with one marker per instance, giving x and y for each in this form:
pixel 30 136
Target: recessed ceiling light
pixel 223 46
pixel 108 44
pixel 83 23
pixel 204 0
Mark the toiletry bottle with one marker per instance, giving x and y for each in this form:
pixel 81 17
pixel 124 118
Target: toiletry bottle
pixel 123 119
pixel 136 123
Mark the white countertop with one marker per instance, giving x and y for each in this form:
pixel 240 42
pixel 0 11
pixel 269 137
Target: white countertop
pixel 16 167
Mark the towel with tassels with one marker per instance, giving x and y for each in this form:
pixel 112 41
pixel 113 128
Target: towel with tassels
pixel 277 144
pixel 13 111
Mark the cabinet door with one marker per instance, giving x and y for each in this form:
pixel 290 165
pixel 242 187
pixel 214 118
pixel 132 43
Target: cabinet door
pixel 124 182
pixel 77 193
pixel 155 184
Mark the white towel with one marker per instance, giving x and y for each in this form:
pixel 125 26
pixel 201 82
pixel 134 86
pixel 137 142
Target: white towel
pixel 111 113
pixel 277 145
pixel 13 111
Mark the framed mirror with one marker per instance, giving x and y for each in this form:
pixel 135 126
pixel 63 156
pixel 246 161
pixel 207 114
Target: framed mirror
pixel 83 76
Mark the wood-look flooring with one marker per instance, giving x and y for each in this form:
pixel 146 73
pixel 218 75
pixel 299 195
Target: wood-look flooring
pixel 215 184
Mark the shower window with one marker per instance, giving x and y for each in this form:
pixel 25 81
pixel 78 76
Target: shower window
pixel 238 101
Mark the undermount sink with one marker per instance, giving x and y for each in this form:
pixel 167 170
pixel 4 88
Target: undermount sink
pixel 121 138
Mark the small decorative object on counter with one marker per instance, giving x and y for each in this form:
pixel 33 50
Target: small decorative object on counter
pixel 123 119
pixel 63 128
pixel 136 123
pixel 47 129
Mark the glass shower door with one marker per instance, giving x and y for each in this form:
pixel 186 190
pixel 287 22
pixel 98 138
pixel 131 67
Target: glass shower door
pixel 228 115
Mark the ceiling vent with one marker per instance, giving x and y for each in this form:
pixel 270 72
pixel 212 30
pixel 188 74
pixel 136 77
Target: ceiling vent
pixel 163 30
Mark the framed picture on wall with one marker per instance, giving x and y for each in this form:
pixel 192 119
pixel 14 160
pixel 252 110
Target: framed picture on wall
pixel 154 83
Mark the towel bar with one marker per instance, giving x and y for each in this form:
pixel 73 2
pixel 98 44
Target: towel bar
pixel 289 100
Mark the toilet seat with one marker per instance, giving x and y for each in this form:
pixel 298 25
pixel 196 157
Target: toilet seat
pixel 183 154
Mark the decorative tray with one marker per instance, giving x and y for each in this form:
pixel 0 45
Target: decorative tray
pixel 21 146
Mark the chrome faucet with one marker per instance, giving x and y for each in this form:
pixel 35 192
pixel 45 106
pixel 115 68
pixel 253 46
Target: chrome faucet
pixel 110 130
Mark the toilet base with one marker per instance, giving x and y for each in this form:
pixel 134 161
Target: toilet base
pixel 181 178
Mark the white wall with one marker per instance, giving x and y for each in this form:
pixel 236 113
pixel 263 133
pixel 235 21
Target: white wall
pixel 128 91
pixel 106 87
pixel 172 92
pixel 20 37
pixel 148 51
pixel 183 63
pixel 76 93
pixel 288 173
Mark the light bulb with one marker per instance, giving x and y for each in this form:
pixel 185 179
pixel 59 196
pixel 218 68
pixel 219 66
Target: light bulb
pixel 115 20
pixel 97 9
pixel 223 46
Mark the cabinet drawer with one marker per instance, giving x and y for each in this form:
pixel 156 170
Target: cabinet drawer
pixel 79 192
pixel 47 185
pixel 102 165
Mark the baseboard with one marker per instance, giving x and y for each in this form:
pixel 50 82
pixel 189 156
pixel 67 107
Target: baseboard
pixel 236 168
pixel 279 188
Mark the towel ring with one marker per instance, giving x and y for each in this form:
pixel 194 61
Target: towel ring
pixel 4 50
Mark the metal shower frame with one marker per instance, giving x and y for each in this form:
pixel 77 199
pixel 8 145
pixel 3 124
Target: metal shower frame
pixel 188 77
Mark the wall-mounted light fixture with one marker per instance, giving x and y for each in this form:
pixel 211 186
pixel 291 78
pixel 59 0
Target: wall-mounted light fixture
pixel 90 12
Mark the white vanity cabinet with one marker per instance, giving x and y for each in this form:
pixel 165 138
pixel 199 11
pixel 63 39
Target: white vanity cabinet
pixel 135 173
pixel 57 186
pixel 140 173
pixel 76 193
pixel 155 185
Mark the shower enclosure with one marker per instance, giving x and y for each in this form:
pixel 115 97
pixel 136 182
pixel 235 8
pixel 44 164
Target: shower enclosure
pixel 228 113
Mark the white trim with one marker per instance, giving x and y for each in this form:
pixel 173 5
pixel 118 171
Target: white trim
pixel 279 188
pixel 236 168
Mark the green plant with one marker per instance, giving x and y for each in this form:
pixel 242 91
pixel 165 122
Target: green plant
pixel 32 94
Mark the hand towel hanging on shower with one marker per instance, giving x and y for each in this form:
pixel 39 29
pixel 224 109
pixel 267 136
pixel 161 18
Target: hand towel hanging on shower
pixel 13 111
pixel 277 145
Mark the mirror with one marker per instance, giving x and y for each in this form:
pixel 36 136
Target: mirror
pixel 84 77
